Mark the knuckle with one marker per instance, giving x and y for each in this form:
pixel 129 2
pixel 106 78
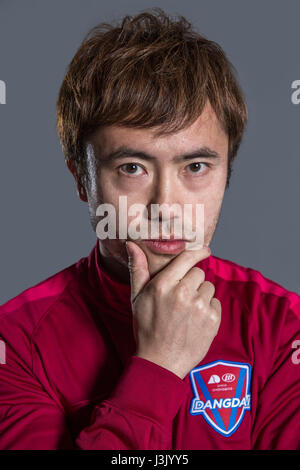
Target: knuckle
pixel 200 304
pixel 214 317
pixel 159 288
pixel 158 285
pixel 182 292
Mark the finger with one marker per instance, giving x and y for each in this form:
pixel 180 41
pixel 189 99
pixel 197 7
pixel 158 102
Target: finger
pixel 216 304
pixel 194 278
pixel 138 268
pixel 180 265
pixel 206 291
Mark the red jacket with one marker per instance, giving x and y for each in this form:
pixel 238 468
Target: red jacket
pixel 69 377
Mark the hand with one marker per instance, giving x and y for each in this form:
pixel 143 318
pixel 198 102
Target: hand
pixel 175 316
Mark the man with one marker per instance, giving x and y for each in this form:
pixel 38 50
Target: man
pixel 146 343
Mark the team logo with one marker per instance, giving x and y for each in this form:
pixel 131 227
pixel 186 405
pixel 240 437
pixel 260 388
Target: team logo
pixel 221 394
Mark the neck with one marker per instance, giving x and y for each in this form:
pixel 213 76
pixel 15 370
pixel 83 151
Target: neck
pixel 115 268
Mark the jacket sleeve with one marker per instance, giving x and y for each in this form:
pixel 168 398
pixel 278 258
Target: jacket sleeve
pixel 277 422
pixel 137 415
pixel 29 418
pixel 140 412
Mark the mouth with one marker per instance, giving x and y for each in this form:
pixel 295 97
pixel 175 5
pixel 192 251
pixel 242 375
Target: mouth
pixel 165 246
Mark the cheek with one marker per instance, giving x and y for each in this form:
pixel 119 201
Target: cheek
pixel 105 190
pixel 102 192
pixel 110 189
pixel 212 212
pixel 122 204
pixel 212 200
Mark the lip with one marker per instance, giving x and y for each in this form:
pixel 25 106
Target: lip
pixel 169 246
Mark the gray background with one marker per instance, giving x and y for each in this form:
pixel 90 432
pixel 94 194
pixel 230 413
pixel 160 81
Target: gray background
pixel 44 225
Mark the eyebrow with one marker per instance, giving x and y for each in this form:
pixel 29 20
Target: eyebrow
pixel 123 151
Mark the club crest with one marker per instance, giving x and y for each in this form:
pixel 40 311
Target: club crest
pixel 221 394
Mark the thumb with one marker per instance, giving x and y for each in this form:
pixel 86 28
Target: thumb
pixel 138 268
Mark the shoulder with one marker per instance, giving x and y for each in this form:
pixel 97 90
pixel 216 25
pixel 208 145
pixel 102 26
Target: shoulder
pixel 252 286
pixel 27 309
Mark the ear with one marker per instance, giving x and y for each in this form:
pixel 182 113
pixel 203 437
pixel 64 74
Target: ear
pixel 80 188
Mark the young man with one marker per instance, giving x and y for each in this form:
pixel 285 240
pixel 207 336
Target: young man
pixel 148 344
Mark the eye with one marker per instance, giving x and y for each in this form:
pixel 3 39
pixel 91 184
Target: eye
pixel 196 167
pixel 131 169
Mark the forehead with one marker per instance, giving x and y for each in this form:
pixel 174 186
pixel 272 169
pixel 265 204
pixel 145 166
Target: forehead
pixel 206 131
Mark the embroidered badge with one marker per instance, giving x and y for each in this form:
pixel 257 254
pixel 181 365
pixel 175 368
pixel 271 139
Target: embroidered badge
pixel 221 394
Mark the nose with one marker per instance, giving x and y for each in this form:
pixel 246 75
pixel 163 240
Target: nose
pixel 165 194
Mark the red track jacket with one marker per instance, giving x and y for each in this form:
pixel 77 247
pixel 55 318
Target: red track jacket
pixel 69 377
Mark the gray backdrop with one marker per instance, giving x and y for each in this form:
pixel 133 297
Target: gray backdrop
pixel 44 225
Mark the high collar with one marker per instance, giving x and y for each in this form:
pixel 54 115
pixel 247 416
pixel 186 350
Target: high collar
pixel 107 288
pixel 114 293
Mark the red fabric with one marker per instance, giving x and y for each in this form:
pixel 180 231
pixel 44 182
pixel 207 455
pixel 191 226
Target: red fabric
pixel 71 380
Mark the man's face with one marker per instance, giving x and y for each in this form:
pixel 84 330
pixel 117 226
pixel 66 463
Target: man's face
pixel 158 170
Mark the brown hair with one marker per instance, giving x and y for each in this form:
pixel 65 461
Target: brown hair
pixel 147 71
